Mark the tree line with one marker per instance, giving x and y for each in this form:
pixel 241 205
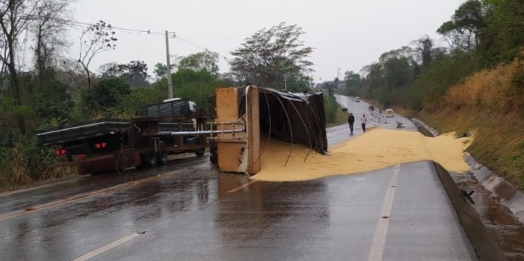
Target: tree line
pixel 481 34
pixel 51 89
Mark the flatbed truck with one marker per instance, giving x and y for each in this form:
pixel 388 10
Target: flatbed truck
pixel 106 145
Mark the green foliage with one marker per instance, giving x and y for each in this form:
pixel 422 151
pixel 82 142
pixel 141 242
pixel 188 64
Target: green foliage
pixel 503 37
pixel 135 72
pixel 105 94
pixel 139 97
pixel 330 106
pixel 270 55
pixel 54 103
pixel 23 161
pixel 434 82
pixel 352 83
pixel 298 83
pixel 160 70
pixel 462 32
pixel 203 61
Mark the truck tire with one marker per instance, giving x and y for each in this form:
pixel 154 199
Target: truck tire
pixel 148 160
pixel 213 147
pixel 213 158
pixel 162 154
pixel 200 152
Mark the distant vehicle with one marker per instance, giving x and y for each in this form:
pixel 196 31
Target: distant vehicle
pixel 344 109
pixel 357 99
pixel 389 113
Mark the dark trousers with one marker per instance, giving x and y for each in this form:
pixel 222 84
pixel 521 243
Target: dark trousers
pixel 351 126
pixel 364 127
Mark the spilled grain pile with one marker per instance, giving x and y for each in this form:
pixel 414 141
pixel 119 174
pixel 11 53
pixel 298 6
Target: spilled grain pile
pixel 376 149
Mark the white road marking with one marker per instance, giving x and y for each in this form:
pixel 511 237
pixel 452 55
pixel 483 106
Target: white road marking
pixel 379 242
pixel 106 248
pixel 243 186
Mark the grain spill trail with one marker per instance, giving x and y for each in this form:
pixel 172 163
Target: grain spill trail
pixel 376 149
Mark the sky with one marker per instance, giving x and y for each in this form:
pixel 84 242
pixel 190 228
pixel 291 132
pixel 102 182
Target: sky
pixel 345 34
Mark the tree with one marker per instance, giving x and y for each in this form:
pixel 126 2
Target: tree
pixel 352 83
pixel 13 21
pixel 48 28
pixel 135 72
pixel 502 38
pixel 424 49
pixel 160 70
pixel 462 31
pixel 268 56
pixel 299 83
pixel 106 93
pixel 207 61
pixel 95 39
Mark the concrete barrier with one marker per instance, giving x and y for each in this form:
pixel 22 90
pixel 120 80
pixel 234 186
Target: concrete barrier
pixel 483 243
pixel 420 123
pixel 505 192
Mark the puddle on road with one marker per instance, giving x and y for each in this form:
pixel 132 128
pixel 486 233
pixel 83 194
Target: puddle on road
pixel 505 229
pixel 373 150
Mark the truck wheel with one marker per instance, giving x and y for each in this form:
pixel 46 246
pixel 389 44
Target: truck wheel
pixel 162 154
pixel 200 152
pixel 149 159
pixel 213 158
pixel 213 147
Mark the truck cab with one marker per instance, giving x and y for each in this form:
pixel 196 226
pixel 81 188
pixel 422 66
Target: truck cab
pixel 192 105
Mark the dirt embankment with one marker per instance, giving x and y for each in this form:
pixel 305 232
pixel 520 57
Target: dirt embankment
pixel 491 104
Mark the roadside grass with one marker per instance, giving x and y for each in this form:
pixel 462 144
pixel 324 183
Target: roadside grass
pixel 340 118
pixel 490 105
pixel 24 164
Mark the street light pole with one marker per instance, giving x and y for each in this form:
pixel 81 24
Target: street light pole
pixel 169 80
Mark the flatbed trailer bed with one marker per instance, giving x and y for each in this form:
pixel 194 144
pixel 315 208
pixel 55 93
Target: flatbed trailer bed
pixel 111 144
pixel 83 130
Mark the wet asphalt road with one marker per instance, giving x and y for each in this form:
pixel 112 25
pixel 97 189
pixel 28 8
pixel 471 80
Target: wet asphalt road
pixel 198 215
pixel 188 210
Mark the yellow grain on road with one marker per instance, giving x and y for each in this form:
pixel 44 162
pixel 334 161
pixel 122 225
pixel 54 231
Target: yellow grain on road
pixel 376 149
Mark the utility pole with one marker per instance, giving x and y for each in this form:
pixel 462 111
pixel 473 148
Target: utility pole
pixel 169 80
pixel 285 82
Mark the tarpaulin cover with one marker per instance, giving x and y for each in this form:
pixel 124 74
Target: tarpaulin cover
pixel 291 117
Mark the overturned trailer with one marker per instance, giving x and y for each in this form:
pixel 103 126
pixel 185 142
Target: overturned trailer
pixel 294 118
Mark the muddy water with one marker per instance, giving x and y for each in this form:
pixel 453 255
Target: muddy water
pixel 505 229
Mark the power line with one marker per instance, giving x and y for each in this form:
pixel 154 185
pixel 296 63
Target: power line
pixel 177 37
pixel 87 25
pixel 128 30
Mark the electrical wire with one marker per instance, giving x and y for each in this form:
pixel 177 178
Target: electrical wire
pixel 130 31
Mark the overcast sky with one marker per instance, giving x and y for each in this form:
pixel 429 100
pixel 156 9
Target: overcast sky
pixel 345 34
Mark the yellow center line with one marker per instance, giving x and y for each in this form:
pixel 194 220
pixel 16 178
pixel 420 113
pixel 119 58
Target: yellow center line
pixel 106 248
pixel 243 186
pixel 82 196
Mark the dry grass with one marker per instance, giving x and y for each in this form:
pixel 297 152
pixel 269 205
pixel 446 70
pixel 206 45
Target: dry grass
pixel 491 106
pixel 22 168
pixel 489 91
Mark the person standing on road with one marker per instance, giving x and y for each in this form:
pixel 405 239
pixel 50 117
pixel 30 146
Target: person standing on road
pixel 351 120
pixel 364 120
